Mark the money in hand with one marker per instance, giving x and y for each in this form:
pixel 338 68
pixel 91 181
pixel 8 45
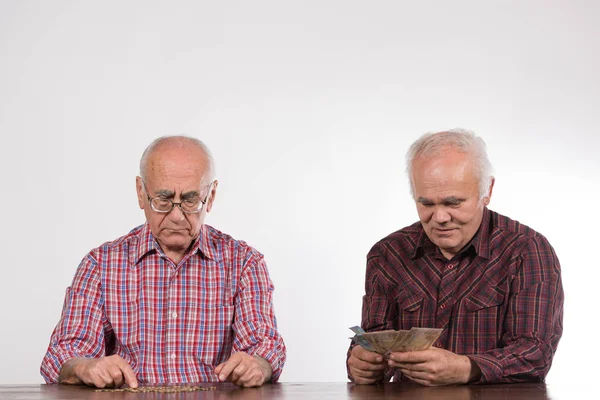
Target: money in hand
pixel 384 342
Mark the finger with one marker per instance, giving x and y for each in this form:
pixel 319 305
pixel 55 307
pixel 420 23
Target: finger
pixel 422 367
pixel 100 378
pixel 241 369
pixel 365 355
pixel 424 382
pixel 116 376
pixel 227 367
pixel 417 374
pixel 364 381
pixel 106 376
pixel 252 378
pixel 411 356
pixel 407 365
pixel 366 366
pixel 128 374
pixel 357 373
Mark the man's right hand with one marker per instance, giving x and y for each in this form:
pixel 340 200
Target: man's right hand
pixel 111 371
pixel 365 366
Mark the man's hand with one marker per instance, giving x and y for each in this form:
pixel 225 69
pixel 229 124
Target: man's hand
pixel 245 370
pixel 111 371
pixel 366 367
pixel 435 367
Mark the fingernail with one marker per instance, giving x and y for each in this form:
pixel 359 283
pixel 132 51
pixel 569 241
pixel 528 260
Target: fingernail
pixel 221 377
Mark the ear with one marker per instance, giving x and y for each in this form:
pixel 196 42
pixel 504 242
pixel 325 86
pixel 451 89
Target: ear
pixel 211 197
pixel 141 194
pixel 486 199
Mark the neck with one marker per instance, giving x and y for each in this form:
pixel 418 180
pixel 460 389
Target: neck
pixel 176 257
pixel 177 254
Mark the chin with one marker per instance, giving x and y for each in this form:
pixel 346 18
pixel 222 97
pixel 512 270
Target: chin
pixel 446 244
pixel 177 244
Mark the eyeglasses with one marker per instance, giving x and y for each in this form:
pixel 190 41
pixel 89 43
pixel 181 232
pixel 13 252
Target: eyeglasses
pixel 192 205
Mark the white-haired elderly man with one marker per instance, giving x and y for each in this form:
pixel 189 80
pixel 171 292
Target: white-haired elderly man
pixel 491 283
pixel 174 300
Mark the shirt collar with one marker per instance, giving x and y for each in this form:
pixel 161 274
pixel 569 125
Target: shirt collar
pixel 480 242
pixel 148 244
pixel 205 244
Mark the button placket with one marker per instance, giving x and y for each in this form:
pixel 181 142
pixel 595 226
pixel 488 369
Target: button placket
pixel 171 322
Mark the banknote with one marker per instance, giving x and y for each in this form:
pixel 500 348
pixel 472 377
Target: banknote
pixel 384 342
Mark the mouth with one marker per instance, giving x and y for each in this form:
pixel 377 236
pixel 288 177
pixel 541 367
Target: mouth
pixel 171 230
pixel 444 231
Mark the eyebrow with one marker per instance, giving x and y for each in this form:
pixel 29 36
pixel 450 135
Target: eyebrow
pixel 451 200
pixel 167 194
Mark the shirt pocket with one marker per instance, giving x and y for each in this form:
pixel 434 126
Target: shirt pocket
pixel 483 317
pixel 410 310
pixel 214 335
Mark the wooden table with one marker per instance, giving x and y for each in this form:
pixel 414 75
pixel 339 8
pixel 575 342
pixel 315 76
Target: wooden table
pixel 225 391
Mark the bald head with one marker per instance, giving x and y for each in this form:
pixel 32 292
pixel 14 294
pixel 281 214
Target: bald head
pixel 192 151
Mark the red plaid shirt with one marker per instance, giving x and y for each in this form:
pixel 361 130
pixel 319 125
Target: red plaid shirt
pixel 171 323
pixel 499 301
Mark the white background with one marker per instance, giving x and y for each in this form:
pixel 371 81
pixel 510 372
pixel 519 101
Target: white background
pixel 309 108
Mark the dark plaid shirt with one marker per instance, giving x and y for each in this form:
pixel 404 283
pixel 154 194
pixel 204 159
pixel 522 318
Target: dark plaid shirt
pixel 499 301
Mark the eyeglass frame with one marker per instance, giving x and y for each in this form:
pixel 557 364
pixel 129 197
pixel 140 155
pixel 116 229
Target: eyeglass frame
pixel 173 204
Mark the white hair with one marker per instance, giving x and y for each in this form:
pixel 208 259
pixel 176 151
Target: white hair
pixel 184 142
pixel 464 141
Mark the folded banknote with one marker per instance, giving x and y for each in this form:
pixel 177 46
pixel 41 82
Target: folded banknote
pixel 384 342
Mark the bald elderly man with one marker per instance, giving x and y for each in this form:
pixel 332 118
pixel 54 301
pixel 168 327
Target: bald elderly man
pixel 174 300
pixel 492 284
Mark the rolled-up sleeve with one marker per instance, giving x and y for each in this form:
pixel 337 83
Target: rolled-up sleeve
pixel 79 332
pixel 255 324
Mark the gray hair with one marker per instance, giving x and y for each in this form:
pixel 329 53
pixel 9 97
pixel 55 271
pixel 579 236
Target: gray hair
pixel 184 142
pixel 464 141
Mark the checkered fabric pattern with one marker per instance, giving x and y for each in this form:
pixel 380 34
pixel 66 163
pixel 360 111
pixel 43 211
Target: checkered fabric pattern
pixel 171 323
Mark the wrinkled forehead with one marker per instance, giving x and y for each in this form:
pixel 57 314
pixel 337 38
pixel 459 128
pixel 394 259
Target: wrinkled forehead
pixel 454 170
pixel 178 166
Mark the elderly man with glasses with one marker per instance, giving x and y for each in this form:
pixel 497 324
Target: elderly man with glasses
pixel 174 300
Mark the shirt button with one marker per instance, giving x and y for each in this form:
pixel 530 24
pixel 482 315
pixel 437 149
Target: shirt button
pixel 173 356
pixel 450 266
pixel 442 306
pixel 174 315
pixel 438 345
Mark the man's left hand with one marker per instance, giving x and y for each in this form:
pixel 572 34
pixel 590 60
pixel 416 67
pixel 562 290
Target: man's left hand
pixel 435 367
pixel 244 370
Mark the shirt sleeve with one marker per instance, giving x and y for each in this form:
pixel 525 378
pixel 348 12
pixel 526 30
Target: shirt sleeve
pixel 255 325
pixel 377 311
pixel 79 332
pixel 533 324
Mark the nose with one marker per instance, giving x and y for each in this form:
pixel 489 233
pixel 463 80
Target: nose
pixel 441 215
pixel 176 215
